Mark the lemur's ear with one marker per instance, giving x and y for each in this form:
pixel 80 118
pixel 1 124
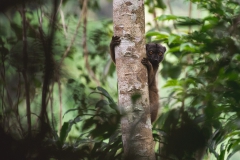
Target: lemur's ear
pixel 164 48
pixel 147 46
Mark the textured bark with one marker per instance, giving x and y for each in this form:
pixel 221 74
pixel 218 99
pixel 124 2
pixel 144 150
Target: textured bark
pixel 129 24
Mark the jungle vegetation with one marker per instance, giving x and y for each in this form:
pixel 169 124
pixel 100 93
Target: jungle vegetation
pixel 58 86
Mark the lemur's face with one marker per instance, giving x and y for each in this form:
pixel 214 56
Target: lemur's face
pixel 155 52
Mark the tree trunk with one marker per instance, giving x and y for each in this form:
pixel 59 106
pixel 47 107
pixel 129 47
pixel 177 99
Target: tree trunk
pixel 129 24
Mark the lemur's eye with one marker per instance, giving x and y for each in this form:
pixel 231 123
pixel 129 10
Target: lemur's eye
pixel 160 53
pixel 150 52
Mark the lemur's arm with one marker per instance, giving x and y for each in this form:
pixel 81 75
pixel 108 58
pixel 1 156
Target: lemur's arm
pixel 114 42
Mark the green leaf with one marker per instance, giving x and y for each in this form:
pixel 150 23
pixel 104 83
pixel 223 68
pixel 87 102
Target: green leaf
pixel 66 128
pixel 83 141
pixel 174 49
pixel 188 47
pixel 88 123
pixel 70 110
pixel 186 21
pixel 105 93
pixel 222 155
pixel 63 133
pixel 167 17
pixel 236 149
pixel 160 35
pixel 181 20
pixel 172 38
pixel 171 83
pixel 161 4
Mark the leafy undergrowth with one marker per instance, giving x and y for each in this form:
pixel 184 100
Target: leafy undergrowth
pixel 101 138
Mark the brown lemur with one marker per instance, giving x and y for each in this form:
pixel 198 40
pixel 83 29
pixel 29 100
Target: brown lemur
pixel 155 54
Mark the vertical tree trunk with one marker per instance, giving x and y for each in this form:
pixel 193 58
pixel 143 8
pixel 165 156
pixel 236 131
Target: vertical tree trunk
pixel 129 24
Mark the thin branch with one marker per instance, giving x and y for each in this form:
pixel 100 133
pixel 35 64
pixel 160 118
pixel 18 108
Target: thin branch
pixel 84 13
pixel 2 72
pixel 25 67
pixel 85 49
pixel 50 93
pixel 3 76
pixel 51 106
pixel 60 106
pixel 40 17
pixel 17 103
pixel 58 80
pixel 47 44
pixel 171 12
pixel 2 98
pixel 7 92
pixel 189 30
pixel 154 18
pixel 72 41
pixel 62 18
pixel 63 23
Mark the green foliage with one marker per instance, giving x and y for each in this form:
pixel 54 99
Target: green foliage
pixel 208 61
pixel 101 139
pixel 155 3
pixel 181 20
pixel 66 128
pixel 34 69
pixel 201 68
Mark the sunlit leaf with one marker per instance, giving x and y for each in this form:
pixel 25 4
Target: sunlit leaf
pixel 158 35
pixel 171 83
pixel 172 38
pixel 187 47
pixel 167 17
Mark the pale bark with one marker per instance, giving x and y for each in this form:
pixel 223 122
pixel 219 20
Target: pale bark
pixel 129 24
